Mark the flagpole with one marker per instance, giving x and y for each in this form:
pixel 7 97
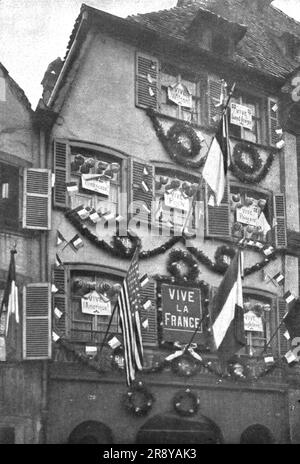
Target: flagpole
pixel 195 332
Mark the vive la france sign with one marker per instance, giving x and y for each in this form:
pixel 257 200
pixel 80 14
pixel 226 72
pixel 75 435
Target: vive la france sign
pixel 95 184
pixel 95 304
pixel 241 115
pixel 252 322
pixel 175 200
pixel 247 215
pixel 180 94
pixel 181 313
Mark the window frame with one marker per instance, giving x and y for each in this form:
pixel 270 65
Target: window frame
pixel 15 226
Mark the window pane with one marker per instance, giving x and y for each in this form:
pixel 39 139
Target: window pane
pixel 9 196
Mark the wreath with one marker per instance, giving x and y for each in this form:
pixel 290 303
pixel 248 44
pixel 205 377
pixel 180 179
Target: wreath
pixel 125 245
pixel 246 148
pixel 185 366
pixel 139 399
pixel 222 251
pixel 180 131
pixel 186 403
pixel 173 266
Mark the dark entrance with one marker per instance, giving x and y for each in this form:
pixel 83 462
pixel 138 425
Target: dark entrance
pixel 91 433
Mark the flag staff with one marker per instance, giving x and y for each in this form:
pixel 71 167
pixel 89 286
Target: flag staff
pixel 272 338
pixel 195 332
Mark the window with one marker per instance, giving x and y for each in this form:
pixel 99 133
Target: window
pixel 254 104
pixel 9 196
pixel 172 82
pixel 174 193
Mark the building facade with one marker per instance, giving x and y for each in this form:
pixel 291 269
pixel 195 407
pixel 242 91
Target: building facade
pixel 125 125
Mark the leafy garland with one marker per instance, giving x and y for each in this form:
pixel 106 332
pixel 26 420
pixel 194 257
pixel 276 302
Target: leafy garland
pixel 177 256
pixel 252 178
pixel 183 129
pixel 168 144
pixel 219 256
pixel 186 396
pixel 237 156
pixel 139 399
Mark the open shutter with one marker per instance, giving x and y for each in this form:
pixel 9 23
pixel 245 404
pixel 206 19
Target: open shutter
pixel 283 343
pixel 272 121
pixel 218 217
pixel 37 340
pixel 59 301
pixel 214 94
pixel 280 221
pixel 37 199
pixel 60 170
pixel 142 194
pixel 149 335
pixel 146 89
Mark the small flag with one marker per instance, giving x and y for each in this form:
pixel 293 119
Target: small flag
pixel 151 92
pixel 82 212
pixel 145 172
pixel 251 243
pixel 144 280
pixel 76 242
pixel 279 131
pixel 145 187
pixel 114 343
pixel 58 261
pixel 147 305
pixel 55 337
pixel 279 278
pixel 72 187
pixel 145 207
pixel 259 245
pixel 145 324
pixel 287 335
pixel 91 350
pixel 290 357
pixel 52 180
pixel 268 250
pixel 280 144
pixel 54 289
pixel 275 107
pixel 60 238
pixel 149 78
pixel 269 359
pixel 94 216
pixel 108 215
pixel 289 297
pixel 58 313
pixel 119 218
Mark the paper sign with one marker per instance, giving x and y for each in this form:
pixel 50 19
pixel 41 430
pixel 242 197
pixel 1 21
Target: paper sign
pixel 247 215
pixel 95 304
pixel 180 95
pixel 95 184
pixel 241 116
pixel 176 200
pixel 253 323
pixel 2 349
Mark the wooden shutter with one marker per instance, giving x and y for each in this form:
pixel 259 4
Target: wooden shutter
pixel 272 121
pixel 146 89
pixel 214 94
pixel 280 220
pixel 59 301
pixel 37 199
pixel 37 338
pixel 139 196
pixel 218 217
pixel 283 344
pixel 149 335
pixel 61 150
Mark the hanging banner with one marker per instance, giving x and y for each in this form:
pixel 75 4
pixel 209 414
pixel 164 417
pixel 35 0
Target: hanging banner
pixel 252 322
pixel 181 313
pixel 95 304
pixel 241 116
pixel 247 215
pixel 176 200
pixel 180 94
pixel 95 184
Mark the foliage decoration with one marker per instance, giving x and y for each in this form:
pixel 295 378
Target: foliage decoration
pixel 173 266
pixel 185 366
pixel 186 403
pixel 251 178
pixel 242 148
pixel 222 251
pixel 183 130
pixel 139 399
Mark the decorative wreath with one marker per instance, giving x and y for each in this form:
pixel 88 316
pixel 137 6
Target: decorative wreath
pixel 248 149
pixel 126 245
pixel 185 366
pixel 219 257
pixel 186 403
pixel 139 399
pixel 183 130
pixel 173 266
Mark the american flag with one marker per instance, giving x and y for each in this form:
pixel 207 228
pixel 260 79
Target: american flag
pixel 129 305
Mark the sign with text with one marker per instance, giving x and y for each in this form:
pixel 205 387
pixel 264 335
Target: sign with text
pixel 180 95
pixel 176 200
pixel 252 322
pixel 181 313
pixel 247 215
pixel 95 304
pixel 241 116
pixel 95 184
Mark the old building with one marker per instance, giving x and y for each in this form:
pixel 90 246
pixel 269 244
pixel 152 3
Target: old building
pixel 126 122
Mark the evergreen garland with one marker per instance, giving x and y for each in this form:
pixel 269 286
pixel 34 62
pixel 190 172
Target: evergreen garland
pixel 252 178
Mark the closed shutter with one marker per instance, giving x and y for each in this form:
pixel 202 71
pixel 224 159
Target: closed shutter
pixel 140 197
pixel 280 221
pixel 149 335
pixel 283 344
pixel 37 322
pixel 146 89
pixel 214 94
pixel 218 217
pixel 59 301
pixel 272 121
pixel 60 170
pixel 37 199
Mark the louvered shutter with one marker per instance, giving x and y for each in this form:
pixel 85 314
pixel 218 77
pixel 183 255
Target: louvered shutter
pixel 283 344
pixel 218 217
pixel 146 89
pixel 139 196
pixel 37 199
pixel 214 94
pixel 59 301
pixel 280 221
pixel 272 121
pixel 61 150
pixel 149 335
pixel 37 341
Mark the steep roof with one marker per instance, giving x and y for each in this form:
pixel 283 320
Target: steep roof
pixel 20 94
